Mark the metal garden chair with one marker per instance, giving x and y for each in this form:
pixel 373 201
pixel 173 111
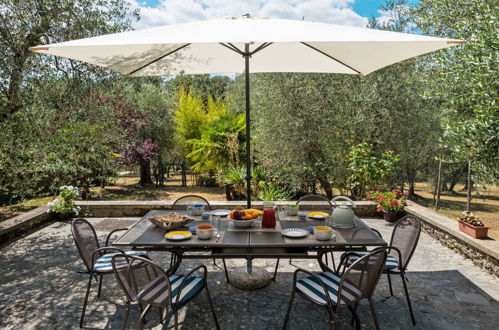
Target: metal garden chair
pixel 334 292
pixel 311 200
pixel 97 259
pixel 147 283
pixel 405 237
pixel 185 201
pixel 189 199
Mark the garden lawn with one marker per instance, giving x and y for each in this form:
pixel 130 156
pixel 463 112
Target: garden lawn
pixel 485 203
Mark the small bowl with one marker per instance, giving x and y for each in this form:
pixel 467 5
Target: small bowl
pixel 302 216
pixel 205 216
pixel 311 229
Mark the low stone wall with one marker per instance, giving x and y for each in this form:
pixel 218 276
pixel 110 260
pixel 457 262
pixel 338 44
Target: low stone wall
pixel 22 223
pixel 483 252
pixel 140 208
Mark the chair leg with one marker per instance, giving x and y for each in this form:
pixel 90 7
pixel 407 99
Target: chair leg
pixel 290 261
pixel 334 263
pixel 390 283
pixel 408 299
pixel 373 312
pixel 210 302
pixel 353 313
pixel 175 317
pixel 355 316
pixel 160 310
pixel 101 278
pixel 332 319
pixel 290 306
pixel 85 301
pixel 127 311
pixel 225 270
pixel 275 271
pixel 142 317
pixel 214 262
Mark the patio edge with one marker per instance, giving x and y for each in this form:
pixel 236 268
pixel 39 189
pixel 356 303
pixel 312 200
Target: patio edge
pixel 483 252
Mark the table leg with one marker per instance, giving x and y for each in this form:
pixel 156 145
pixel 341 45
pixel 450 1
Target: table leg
pixel 249 265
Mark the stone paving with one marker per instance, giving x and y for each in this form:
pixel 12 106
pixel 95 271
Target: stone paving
pixel 41 289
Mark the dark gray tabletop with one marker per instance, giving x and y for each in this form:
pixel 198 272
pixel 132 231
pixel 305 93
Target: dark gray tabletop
pixel 145 234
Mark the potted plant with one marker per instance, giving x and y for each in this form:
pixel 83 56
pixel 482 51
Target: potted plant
pixel 63 206
pixel 390 203
pixel 472 225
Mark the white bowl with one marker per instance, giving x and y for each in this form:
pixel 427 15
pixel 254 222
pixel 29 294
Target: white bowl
pixel 243 223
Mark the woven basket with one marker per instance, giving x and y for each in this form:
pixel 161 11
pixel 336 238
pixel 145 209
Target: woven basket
pixel 169 224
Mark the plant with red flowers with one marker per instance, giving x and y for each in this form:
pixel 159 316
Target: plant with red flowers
pixel 391 201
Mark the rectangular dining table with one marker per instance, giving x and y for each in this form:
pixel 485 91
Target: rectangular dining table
pixel 250 243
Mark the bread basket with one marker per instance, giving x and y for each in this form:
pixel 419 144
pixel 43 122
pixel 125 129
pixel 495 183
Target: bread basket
pixel 170 220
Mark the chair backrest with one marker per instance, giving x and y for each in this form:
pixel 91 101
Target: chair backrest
pixel 134 273
pixel 85 239
pixel 189 199
pixel 360 279
pixel 405 238
pixel 313 200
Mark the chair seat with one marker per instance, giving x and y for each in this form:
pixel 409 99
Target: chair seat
pixel 391 262
pixel 311 288
pixel 103 263
pixel 156 293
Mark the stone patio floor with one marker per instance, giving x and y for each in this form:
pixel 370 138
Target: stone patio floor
pixel 41 289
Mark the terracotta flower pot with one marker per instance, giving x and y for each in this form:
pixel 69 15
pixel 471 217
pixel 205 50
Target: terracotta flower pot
pixel 391 216
pixel 473 231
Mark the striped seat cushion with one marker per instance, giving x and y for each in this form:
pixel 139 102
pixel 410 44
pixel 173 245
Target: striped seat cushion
pixel 311 287
pixel 103 263
pixel 391 262
pixel 156 293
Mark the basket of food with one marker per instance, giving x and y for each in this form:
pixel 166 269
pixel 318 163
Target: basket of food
pixel 170 220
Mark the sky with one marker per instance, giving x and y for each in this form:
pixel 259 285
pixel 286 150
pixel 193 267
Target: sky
pixel 345 12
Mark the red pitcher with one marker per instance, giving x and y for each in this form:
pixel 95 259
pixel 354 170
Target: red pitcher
pixel 268 220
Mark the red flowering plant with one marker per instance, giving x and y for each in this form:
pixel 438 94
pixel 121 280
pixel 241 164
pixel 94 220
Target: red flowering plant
pixel 390 201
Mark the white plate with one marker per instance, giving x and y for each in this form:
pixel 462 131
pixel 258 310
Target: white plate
pixel 294 232
pixel 317 217
pixel 220 213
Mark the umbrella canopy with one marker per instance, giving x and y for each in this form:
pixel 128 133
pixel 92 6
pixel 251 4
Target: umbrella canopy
pixel 274 45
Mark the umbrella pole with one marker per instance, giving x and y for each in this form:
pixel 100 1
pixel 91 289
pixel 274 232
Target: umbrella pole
pixel 247 55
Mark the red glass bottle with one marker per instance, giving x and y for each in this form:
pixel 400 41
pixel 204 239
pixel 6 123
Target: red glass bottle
pixel 268 220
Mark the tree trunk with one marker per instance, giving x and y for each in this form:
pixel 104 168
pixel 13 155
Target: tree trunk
pixel 228 192
pixel 411 178
pixel 145 173
pixel 468 193
pixel 326 186
pixel 439 185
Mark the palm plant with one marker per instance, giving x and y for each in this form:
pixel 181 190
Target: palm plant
pixel 220 144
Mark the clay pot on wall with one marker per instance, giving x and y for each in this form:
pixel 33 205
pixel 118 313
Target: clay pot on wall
pixel 473 231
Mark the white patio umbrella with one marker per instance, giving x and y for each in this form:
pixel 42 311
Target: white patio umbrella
pixel 273 45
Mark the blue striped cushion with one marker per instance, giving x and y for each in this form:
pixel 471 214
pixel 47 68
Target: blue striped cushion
pixel 156 293
pixel 103 263
pixel 391 262
pixel 310 287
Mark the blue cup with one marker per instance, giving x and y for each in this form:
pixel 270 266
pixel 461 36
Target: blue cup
pixel 311 229
pixel 302 216
pixel 205 216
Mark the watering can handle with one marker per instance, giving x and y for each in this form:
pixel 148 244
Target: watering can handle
pixel 343 198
